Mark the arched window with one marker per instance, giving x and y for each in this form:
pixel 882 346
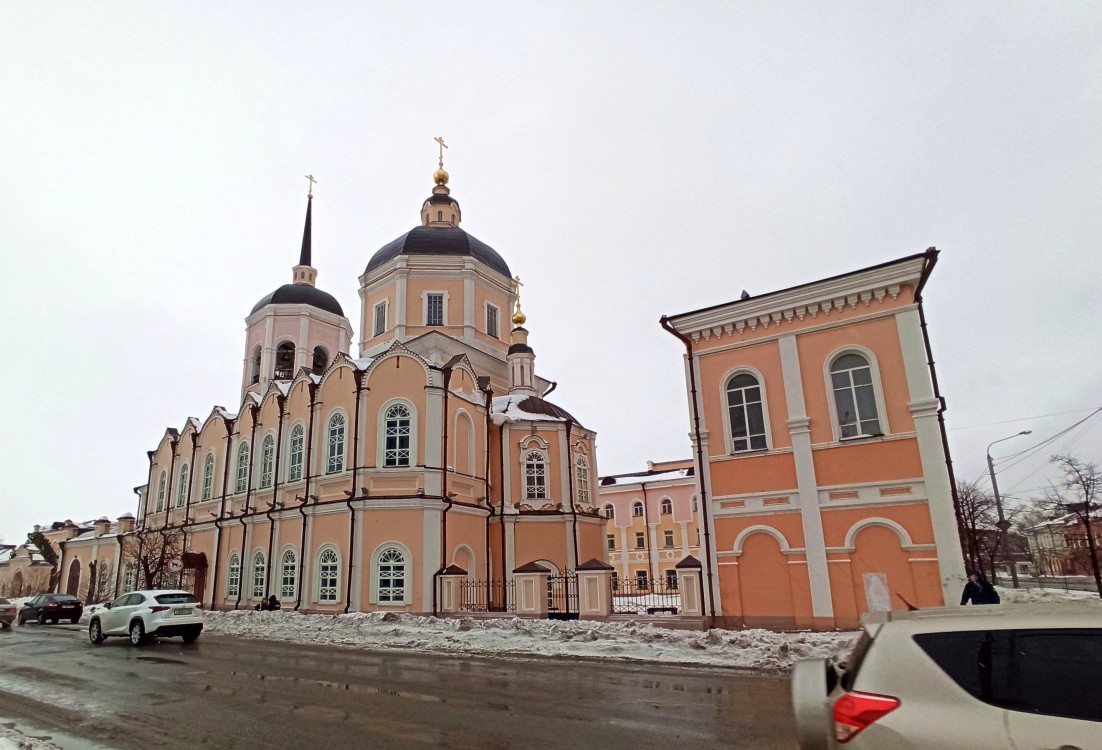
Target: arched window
pixel 581 469
pixel 667 506
pixel 336 444
pixel 242 482
pixel 161 493
pixel 391 576
pixel 233 575
pixel 267 461
pixel 285 361
pixel 255 374
pixel 396 451
pixel 637 509
pixel 610 512
pixel 747 417
pixel 260 574
pixel 129 577
pixel 288 573
pixel 854 396
pixel 535 476
pixel 294 470
pixel 329 570
pixel 182 487
pixel 321 360
pixel 208 477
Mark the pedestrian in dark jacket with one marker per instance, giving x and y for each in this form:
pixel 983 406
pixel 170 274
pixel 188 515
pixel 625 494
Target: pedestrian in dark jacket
pixel 978 590
pixel 273 603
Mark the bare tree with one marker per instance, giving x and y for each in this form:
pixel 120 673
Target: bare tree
pixel 99 582
pixel 982 536
pixel 150 551
pixel 1076 494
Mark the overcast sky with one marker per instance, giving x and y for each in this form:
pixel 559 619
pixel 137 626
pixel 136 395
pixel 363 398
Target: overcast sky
pixel 627 159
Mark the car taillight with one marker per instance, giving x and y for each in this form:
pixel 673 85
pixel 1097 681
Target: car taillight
pixel 159 609
pixel 52 604
pixel 854 712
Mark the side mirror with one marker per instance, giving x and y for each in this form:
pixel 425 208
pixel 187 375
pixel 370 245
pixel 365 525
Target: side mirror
pixel 107 606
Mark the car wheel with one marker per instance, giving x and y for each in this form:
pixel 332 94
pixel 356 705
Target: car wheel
pixel 95 632
pixel 41 618
pixel 137 633
pixel 191 635
pixel 5 625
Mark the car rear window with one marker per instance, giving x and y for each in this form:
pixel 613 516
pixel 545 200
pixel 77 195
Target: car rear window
pixel 61 598
pixel 176 599
pixel 4 601
pixel 1054 672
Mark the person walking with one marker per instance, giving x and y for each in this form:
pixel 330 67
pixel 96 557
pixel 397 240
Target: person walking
pixel 273 604
pixel 978 590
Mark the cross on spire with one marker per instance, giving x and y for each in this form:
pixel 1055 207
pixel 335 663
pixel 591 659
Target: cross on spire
pixel 310 192
pixel 440 139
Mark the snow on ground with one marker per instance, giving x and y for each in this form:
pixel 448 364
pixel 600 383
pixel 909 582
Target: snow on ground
pixel 759 650
pixel 12 739
pixel 1036 596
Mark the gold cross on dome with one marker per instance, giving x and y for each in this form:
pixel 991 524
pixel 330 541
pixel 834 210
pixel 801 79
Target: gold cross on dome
pixel 440 139
pixel 310 192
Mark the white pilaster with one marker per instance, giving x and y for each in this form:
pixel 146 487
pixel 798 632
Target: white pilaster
pixel 430 539
pixel 303 354
pixel 798 427
pixel 400 301
pixel 712 592
pixel 652 549
pixel 924 406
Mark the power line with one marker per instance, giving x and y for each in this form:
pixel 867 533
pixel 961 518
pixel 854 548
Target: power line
pixel 1022 419
pixel 1031 450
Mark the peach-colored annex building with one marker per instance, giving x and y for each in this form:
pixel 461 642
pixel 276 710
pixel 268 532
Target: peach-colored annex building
pixel 352 483
pixel 816 427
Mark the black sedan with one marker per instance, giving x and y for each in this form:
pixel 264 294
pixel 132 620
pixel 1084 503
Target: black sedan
pixel 51 608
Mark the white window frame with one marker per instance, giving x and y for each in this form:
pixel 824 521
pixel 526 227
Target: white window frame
pixel 638 505
pixel 668 540
pixel 258 574
pixel 407 575
pixel 581 477
pixel 640 536
pixel 336 450
pixel 160 493
pixel 379 307
pixel 233 574
pixel 497 320
pixel 267 461
pixel 665 507
pixel 182 485
pixel 610 512
pixel 241 475
pixel 527 473
pixel 321 579
pixel 425 306
pixel 382 449
pixel 292 474
pixel 877 387
pixel 728 432
pixel 464 419
pixel 208 478
pixel 283 574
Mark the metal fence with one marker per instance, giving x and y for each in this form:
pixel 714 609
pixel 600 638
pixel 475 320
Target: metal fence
pixel 487 596
pixel 642 596
pixel 562 597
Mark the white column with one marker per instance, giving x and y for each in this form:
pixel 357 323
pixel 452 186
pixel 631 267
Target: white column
pixel 652 550
pixel 470 323
pixel 430 539
pixel 433 433
pixel 303 356
pixel 808 488
pixel 510 547
pixel 360 558
pixel 704 487
pixel 625 563
pixel 924 406
pixel 684 538
pixel 400 302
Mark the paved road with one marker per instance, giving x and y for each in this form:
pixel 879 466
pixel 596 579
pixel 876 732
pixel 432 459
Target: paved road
pixel 233 693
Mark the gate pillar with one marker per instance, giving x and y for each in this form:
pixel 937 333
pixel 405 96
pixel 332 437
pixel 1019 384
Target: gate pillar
pixel 690 584
pixel 451 581
pixel 531 590
pixel 594 589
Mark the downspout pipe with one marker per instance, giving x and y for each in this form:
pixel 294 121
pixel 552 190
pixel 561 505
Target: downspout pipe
pixel 282 402
pixel 191 479
pixel 486 477
pixel 664 321
pixel 171 470
pixel 928 267
pixel 501 483
pixel 359 377
pixel 447 373
pixel 313 390
pixel 570 484
pixel 228 423
pixel 254 415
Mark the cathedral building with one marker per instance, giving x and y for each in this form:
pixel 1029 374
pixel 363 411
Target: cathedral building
pixel 352 483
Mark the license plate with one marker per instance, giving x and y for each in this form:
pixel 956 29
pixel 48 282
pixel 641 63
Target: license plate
pixel 181 611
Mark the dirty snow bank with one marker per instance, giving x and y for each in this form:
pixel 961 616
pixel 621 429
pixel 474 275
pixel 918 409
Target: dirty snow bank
pixel 12 739
pixel 759 650
pixel 1041 596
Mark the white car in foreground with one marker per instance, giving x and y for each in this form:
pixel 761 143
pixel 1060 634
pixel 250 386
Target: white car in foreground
pixel 141 615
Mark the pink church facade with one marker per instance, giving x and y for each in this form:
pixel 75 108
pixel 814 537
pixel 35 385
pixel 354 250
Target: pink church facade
pixel 823 474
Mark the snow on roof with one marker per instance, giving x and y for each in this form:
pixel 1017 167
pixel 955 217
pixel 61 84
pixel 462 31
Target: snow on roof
pixel 256 397
pixel 508 407
pixel 195 423
pixel 225 414
pixel 283 386
pixel 315 378
pixel 362 364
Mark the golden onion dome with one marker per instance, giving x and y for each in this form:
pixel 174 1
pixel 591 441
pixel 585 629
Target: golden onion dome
pixel 519 317
pixel 440 177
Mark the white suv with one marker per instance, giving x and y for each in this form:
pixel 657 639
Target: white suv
pixel 141 615
pixel 1012 676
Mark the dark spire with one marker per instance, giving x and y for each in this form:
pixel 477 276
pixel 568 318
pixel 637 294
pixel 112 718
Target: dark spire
pixel 304 256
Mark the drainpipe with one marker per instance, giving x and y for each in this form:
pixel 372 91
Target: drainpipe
pixel 313 390
pixel 359 377
pixel 554 385
pixel 171 470
pixel 254 415
pixel 282 402
pixel 190 479
pixel 244 556
pixel 501 484
pixel 665 323
pixel 570 484
pixel 447 373
pixel 486 478
pixel 931 261
pixel 646 523
pixel 221 511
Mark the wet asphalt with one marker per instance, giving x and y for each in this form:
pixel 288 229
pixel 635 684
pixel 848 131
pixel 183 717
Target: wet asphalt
pixel 235 693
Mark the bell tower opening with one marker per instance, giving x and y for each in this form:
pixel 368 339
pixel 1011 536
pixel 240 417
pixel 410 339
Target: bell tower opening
pixel 254 376
pixel 321 360
pixel 285 361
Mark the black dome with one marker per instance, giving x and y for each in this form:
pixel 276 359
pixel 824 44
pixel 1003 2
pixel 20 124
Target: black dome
pixel 301 294
pixel 426 240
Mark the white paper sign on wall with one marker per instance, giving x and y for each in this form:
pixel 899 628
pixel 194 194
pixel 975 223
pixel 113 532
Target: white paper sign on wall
pixel 877 593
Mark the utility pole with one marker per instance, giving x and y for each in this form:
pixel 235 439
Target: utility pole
pixel 1003 525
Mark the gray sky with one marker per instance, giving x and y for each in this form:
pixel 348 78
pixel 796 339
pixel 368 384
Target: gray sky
pixel 627 159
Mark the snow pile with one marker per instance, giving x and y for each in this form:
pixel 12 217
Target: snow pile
pixel 12 739
pixel 1045 596
pixel 759 650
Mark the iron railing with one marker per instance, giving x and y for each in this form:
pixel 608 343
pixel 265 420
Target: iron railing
pixel 642 596
pixel 487 596
pixel 562 597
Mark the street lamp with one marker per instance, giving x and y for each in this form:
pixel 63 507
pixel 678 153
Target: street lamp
pixel 1003 525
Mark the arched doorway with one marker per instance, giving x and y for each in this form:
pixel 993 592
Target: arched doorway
pixel 72 586
pixel 764 581
pixel 17 584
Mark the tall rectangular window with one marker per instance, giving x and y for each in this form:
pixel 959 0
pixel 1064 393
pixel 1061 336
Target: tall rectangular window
pixel 612 542
pixel 667 538
pixel 380 318
pixel 640 540
pixel 434 309
pixel 491 321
